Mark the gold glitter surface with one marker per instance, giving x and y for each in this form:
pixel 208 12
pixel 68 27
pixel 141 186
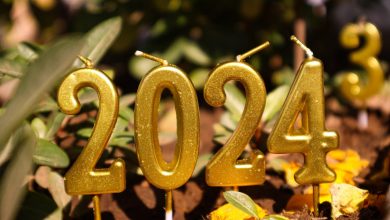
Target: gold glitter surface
pixel 306 96
pixel 224 169
pixel 157 171
pixel 83 177
pixel 352 87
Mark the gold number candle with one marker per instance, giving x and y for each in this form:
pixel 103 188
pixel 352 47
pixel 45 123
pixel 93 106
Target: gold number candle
pixel 224 169
pixel 83 177
pixel 306 97
pixel 164 175
pixel 352 86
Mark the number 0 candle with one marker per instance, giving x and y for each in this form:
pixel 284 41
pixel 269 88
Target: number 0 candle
pixel 306 97
pixel 164 175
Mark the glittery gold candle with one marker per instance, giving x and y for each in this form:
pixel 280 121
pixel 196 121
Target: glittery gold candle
pixel 164 175
pixel 305 101
pixel 225 169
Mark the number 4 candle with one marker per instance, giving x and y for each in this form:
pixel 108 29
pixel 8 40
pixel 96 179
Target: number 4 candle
pixel 306 98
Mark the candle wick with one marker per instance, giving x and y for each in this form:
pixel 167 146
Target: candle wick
pixel 151 57
pixel 87 62
pixel 253 51
pixel 308 52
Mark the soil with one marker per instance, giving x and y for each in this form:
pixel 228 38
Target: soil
pixel 195 200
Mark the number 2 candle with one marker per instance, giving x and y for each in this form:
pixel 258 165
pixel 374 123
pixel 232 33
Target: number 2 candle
pixel 306 97
pixel 83 178
pixel 224 169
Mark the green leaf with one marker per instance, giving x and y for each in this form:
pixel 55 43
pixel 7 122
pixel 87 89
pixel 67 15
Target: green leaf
pixel 48 153
pixel 39 127
pixel 126 100
pixel 47 104
pixel 57 189
pixel 274 102
pixel 221 139
pixel 235 101
pixel 199 77
pixel 175 50
pixel 227 122
pixel 42 76
pixel 11 68
pixel 139 66
pixel 127 113
pixel 285 75
pixel 201 163
pixel 54 124
pixel 84 132
pixel 195 54
pixel 27 52
pixel 99 39
pixel 242 202
pixel 121 141
pixel 11 191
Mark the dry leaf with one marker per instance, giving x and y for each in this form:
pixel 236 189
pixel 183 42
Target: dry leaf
pixel 346 199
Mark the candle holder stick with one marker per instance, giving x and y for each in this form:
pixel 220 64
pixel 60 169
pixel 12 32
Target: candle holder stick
pixel 96 207
pixel 168 205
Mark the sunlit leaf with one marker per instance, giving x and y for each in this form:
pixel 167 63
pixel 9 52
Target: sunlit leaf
pixel 139 66
pixel 84 132
pixel 42 76
pixel 42 176
pixel 175 50
pixel 201 163
pixel 274 102
pixel 57 189
pixel 127 99
pixel 242 201
pixel 11 68
pixel 235 101
pixel 99 39
pixel 27 52
pixel 199 77
pixel 230 212
pixel 48 153
pixel 127 113
pixel 54 124
pixel 195 54
pixel 38 125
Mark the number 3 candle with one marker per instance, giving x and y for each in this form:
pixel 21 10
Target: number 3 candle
pixel 306 97
pixel 167 176
pixel 352 86
pixel 83 177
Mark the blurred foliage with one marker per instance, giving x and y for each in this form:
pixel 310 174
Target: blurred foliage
pixel 39 44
